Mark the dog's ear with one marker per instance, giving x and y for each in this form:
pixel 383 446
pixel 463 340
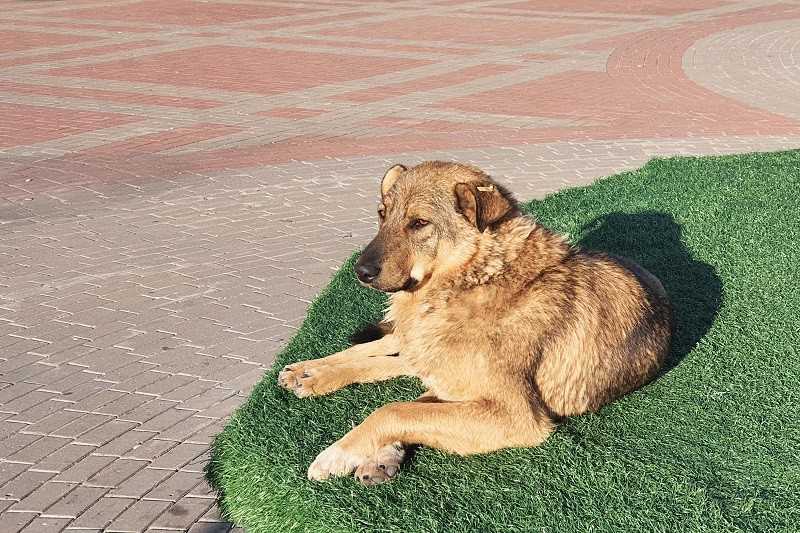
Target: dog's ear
pixel 391 177
pixel 483 203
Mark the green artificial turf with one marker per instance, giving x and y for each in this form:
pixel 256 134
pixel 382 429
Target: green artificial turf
pixel 712 445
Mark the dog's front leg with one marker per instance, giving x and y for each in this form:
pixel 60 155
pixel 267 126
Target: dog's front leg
pixel 362 363
pixel 460 427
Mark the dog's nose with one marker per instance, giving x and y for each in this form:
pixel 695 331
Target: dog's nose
pixel 367 272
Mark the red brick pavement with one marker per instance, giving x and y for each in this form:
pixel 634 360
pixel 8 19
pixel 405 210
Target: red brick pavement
pixel 178 179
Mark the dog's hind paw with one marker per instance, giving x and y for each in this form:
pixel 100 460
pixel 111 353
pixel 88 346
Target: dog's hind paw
pixel 382 466
pixel 333 461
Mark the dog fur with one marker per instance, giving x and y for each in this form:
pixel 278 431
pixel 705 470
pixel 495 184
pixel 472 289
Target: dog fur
pixel 509 327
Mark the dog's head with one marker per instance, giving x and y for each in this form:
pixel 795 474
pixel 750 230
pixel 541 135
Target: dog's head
pixel 431 216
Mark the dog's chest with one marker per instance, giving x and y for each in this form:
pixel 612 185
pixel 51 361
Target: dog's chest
pixel 444 345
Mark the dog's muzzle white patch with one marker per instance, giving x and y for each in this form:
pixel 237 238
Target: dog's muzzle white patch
pixel 418 272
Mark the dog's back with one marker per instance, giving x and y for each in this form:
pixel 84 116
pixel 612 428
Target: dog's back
pixel 615 323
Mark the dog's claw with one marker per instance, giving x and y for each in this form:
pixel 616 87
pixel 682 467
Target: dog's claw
pixel 381 467
pixel 300 384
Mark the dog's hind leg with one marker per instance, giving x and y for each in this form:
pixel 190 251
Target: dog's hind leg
pixel 464 428
pixel 385 464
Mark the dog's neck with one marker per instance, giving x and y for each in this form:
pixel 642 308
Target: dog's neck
pixel 512 255
pixel 516 246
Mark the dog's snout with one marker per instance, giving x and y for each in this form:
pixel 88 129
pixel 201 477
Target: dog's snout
pixel 368 266
pixel 367 272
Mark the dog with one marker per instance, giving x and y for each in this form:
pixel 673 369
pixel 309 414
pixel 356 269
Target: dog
pixel 509 327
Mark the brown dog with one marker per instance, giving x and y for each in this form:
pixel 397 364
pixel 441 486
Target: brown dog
pixel 509 327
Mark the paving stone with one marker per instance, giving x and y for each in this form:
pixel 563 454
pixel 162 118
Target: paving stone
pixel 106 432
pixel 51 423
pixel 66 351
pixel 123 444
pixel 27 401
pixel 15 443
pixel 95 401
pixel 141 483
pixel 116 472
pixel 131 375
pixel 5 504
pixel 182 514
pixel 10 427
pixel 210 527
pixel 81 425
pixel 14 522
pixel 166 420
pixel 166 385
pixel 24 484
pixel 151 449
pixel 212 515
pixel 244 383
pixel 75 502
pixel 125 403
pixel 139 515
pixel 203 490
pixel 28 372
pixel 38 412
pixel 84 469
pixel 64 457
pixel 41 525
pixel 206 434
pixel 190 391
pixel 188 427
pixel 174 487
pixel 43 497
pixel 179 456
pixel 101 513
pixel 224 408
pixel 148 411
pixel 15 390
pixel 74 384
pixel 40 449
pixel 9 471
pixel 85 390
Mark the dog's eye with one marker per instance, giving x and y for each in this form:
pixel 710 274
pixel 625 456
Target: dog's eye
pixel 382 212
pixel 418 223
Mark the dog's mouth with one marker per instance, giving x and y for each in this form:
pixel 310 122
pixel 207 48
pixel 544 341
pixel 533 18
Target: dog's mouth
pixel 410 285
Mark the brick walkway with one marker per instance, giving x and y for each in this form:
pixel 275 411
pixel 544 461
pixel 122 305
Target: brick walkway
pixel 179 178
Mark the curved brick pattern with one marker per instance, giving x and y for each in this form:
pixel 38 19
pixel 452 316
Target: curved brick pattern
pixel 648 7
pixel 760 67
pixel 179 179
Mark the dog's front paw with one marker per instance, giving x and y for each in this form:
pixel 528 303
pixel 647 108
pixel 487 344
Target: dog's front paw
pixel 334 460
pixel 382 466
pixel 306 379
pixel 290 377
